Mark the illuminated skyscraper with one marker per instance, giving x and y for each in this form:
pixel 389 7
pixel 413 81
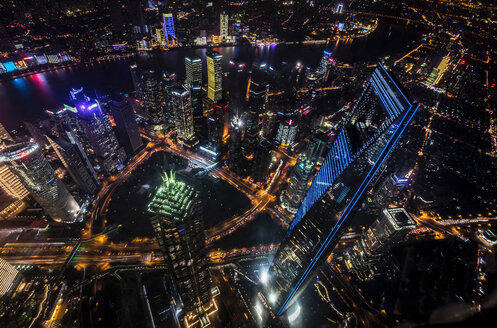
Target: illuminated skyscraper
pixel 28 163
pixel 8 277
pixel 183 116
pixel 100 135
pixel 169 33
pixel 75 160
pixel 223 26
pixel 193 68
pixel 214 76
pixel 126 127
pixel 197 109
pixel 268 125
pixel 10 183
pixel 177 220
pixel 287 131
pixel 5 137
pixel 298 184
pixel 360 148
pixel 391 227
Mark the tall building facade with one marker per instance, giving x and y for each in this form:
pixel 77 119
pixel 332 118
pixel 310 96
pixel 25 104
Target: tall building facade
pixel 258 89
pixel 298 184
pixel 193 69
pixel 169 32
pixel 28 163
pixel 268 125
pixel 5 137
pixel 10 183
pixel 75 160
pixel 391 227
pixel 223 26
pixel 214 76
pixel 362 145
pixel 287 131
pixel 197 109
pixel 126 127
pixel 100 136
pixel 183 116
pixel 8 277
pixel 177 220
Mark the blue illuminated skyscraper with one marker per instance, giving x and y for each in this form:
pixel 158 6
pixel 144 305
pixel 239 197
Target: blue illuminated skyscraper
pixel 168 21
pixel 364 142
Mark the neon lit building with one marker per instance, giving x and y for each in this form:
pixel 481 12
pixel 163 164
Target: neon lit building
pixel 183 116
pixel 28 163
pixel 193 68
pixel 364 142
pixel 214 76
pixel 177 220
pixel 168 21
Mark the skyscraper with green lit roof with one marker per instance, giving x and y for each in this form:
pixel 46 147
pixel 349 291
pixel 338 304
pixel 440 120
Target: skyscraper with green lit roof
pixel 177 220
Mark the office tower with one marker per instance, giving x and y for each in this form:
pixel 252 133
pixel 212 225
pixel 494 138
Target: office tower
pixel 316 146
pixel 261 163
pixel 437 73
pixel 126 127
pixel 150 89
pixel 27 162
pixel 137 81
pixel 236 131
pixel 197 109
pixel 258 89
pixel 100 136
pixel 136 13
pixel 5 137
pixel 168 84
pixel 183 117
pixel 117 19
pixel 36 131
pixel 159 36
pixel 223 26
pixel 193 68
pixel 298 184
pixel 75 160
pixel 169 34
pixel 325 61
pixel 177 220
pixel 10 183
pixel 391 227
pixel 214 76
pixel 268 125
pixel 214 125
pixel 287 131
pixel 9 277
pixel 360 148
pixel 388 190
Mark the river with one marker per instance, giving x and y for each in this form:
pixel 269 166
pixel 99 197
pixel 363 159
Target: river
pixel 28 97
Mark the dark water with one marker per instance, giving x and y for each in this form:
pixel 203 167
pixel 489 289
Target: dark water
pixel 30 96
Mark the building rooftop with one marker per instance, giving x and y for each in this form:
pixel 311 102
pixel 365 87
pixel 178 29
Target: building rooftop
pixel 173 198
